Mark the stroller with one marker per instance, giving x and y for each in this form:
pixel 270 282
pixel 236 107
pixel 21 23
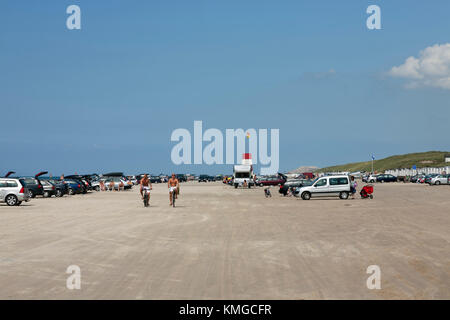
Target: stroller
pixel 367 192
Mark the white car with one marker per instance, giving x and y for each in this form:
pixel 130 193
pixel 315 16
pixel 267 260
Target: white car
pixel 13 191
pixel 118 183
pixel 372 178
pixel 330 186
pixel 440 179
pixel 133 180
pixel 95 185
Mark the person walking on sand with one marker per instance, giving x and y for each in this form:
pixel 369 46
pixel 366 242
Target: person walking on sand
pixel 173 185
pixel 353 185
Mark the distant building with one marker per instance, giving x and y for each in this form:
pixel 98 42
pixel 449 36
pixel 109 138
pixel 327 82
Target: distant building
pixel 447 158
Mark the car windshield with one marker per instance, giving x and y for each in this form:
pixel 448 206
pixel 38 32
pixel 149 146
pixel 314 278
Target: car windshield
pixel 314 181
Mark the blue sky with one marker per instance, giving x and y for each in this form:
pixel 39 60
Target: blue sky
pixel 108 96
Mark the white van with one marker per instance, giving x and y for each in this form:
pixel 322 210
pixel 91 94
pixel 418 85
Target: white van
pixel 330 186
pixel 243 173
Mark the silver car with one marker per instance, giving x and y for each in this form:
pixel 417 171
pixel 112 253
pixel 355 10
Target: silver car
pixel 440 179
pixel 13 191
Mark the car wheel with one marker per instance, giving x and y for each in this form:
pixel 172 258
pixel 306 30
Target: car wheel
pixel 58 193
pixel 11 200
pixel 306 195
pixel 261 185
pixel 372 181
pixel 31 194
pixel 437 183
pixel 46 194
pixel 235 186
pixel 343 195
pixel 97 188
pixel 71 192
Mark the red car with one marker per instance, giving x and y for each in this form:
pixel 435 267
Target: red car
pixel 308 175
pixel 270 181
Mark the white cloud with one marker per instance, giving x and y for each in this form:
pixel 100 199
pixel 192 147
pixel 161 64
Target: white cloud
pixel 431 68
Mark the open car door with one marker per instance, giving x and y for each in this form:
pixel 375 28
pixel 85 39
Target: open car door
pixel 40 174
pixel 9 173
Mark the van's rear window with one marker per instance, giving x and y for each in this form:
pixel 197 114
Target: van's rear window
pixel 242 175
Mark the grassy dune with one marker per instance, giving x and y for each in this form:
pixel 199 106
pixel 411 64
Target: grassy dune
pixel 421 160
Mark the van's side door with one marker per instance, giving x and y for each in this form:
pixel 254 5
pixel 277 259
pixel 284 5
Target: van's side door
pixel 338 184
pixel 320 188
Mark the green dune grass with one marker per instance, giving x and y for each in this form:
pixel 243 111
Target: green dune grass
pixel 421 160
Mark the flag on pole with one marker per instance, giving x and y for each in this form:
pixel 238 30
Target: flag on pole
pixel 373 158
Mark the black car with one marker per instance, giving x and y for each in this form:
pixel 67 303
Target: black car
pixel 155 179
pixel 292 185
pixel 74 186
pixel 181 177
pixel 34 187
pixel 203 178
pixel 386 178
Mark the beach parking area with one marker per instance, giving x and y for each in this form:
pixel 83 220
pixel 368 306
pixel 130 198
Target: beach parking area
pixel 223 243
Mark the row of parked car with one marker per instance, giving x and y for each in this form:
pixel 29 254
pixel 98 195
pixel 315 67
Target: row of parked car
pixel 431 179
pixel 16 189
pixel 372 178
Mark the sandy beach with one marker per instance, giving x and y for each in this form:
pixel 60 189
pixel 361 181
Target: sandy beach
pixel 222 243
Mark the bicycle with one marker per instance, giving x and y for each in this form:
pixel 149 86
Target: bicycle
pixel 146 194
pixel 173 191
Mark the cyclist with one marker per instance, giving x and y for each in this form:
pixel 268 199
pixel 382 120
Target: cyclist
pixel 173 185
pixel 145 184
